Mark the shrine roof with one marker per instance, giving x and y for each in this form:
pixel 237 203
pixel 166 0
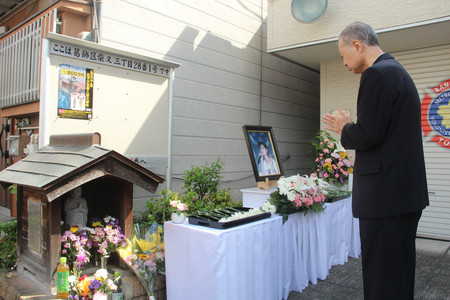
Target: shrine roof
pixel 53 167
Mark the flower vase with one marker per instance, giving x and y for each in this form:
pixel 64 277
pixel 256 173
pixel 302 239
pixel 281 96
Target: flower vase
pixel 178 218
pixel 104 262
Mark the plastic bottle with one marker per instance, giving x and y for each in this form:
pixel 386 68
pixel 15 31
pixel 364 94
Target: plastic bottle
pixel 118 294
pixel 62 283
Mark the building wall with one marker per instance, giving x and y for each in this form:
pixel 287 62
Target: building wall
pixel 428 67
pixel 382 14
pixel 127 119
pixel 226 80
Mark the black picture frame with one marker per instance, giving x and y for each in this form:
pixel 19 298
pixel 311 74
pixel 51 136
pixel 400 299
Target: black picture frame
pixel 255 137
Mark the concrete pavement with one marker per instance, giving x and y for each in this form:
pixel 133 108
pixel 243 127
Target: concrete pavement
pixel 344 282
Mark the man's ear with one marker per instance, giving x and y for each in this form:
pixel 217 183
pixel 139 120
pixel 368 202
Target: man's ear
pixel 357 45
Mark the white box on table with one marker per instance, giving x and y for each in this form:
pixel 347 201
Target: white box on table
pixel 255 197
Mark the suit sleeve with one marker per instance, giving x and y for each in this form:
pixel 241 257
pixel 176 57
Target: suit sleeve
pixel 374 112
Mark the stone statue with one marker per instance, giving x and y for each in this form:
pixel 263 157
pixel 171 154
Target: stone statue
pixel 76 209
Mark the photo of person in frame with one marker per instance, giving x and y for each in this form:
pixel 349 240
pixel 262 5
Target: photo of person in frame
pixel 266 163
pixel 263 152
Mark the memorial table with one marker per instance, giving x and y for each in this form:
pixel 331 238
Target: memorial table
pixel 260 260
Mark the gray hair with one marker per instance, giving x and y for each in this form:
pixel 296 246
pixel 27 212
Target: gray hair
pixel 361 32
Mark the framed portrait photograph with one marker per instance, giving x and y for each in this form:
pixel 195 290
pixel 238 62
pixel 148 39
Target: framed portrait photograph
pixel 263 152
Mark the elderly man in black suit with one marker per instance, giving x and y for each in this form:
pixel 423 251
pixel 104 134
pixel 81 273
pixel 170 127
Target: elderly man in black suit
pixel 389 183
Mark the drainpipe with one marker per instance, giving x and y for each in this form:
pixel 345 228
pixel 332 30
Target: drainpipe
pixel 170 151
pixel 97 13
pixel 45 88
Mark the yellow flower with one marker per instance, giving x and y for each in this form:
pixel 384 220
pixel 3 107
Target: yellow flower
pixel 97 224
pixel 343 154
pixel 125 251
pixel 74 229
pixel 145 245
pixel 328 166
pixel 162 245
pixel 350 170
pixel 154 240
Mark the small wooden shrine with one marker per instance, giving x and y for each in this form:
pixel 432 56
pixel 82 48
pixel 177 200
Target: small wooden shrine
pixel 45 179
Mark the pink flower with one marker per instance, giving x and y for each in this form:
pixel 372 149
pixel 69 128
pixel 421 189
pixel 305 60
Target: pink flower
pixel 348 163
pixel 326 151
pixel 340 164
pixel 114 240
pixel 337 175
pixel 100 296
pixel 182 207
pixel 328 160
pixel 307 201
pixel 331 145
pixel 149 263
pixel 128 260
pixel 335 155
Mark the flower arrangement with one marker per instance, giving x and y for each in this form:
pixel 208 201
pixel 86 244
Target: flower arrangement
pixel 299 193
pixel 107 237
pixel 79 245
pixel 332 162
pixel 86 288
pixel 145 255
pixel 76 246
pixel 178 207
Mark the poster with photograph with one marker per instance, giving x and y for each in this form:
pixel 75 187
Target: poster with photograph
pixel 263 152
pixel 75 91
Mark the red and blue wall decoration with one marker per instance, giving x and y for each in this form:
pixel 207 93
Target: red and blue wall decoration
pixel 436 114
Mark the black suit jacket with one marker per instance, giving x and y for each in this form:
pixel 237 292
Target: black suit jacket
pixel 389 172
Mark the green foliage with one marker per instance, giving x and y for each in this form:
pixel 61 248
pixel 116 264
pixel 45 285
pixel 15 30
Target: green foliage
pixel 8 245
pixel 200 191
pixel 203 181
pixel 157 211
pixel 283 205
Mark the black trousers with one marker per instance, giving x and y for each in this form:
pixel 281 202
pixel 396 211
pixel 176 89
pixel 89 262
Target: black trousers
pixel 388 251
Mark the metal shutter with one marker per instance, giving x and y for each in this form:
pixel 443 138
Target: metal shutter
pixel 429 67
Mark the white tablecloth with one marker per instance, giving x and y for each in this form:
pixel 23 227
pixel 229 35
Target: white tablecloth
pixel 260 260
